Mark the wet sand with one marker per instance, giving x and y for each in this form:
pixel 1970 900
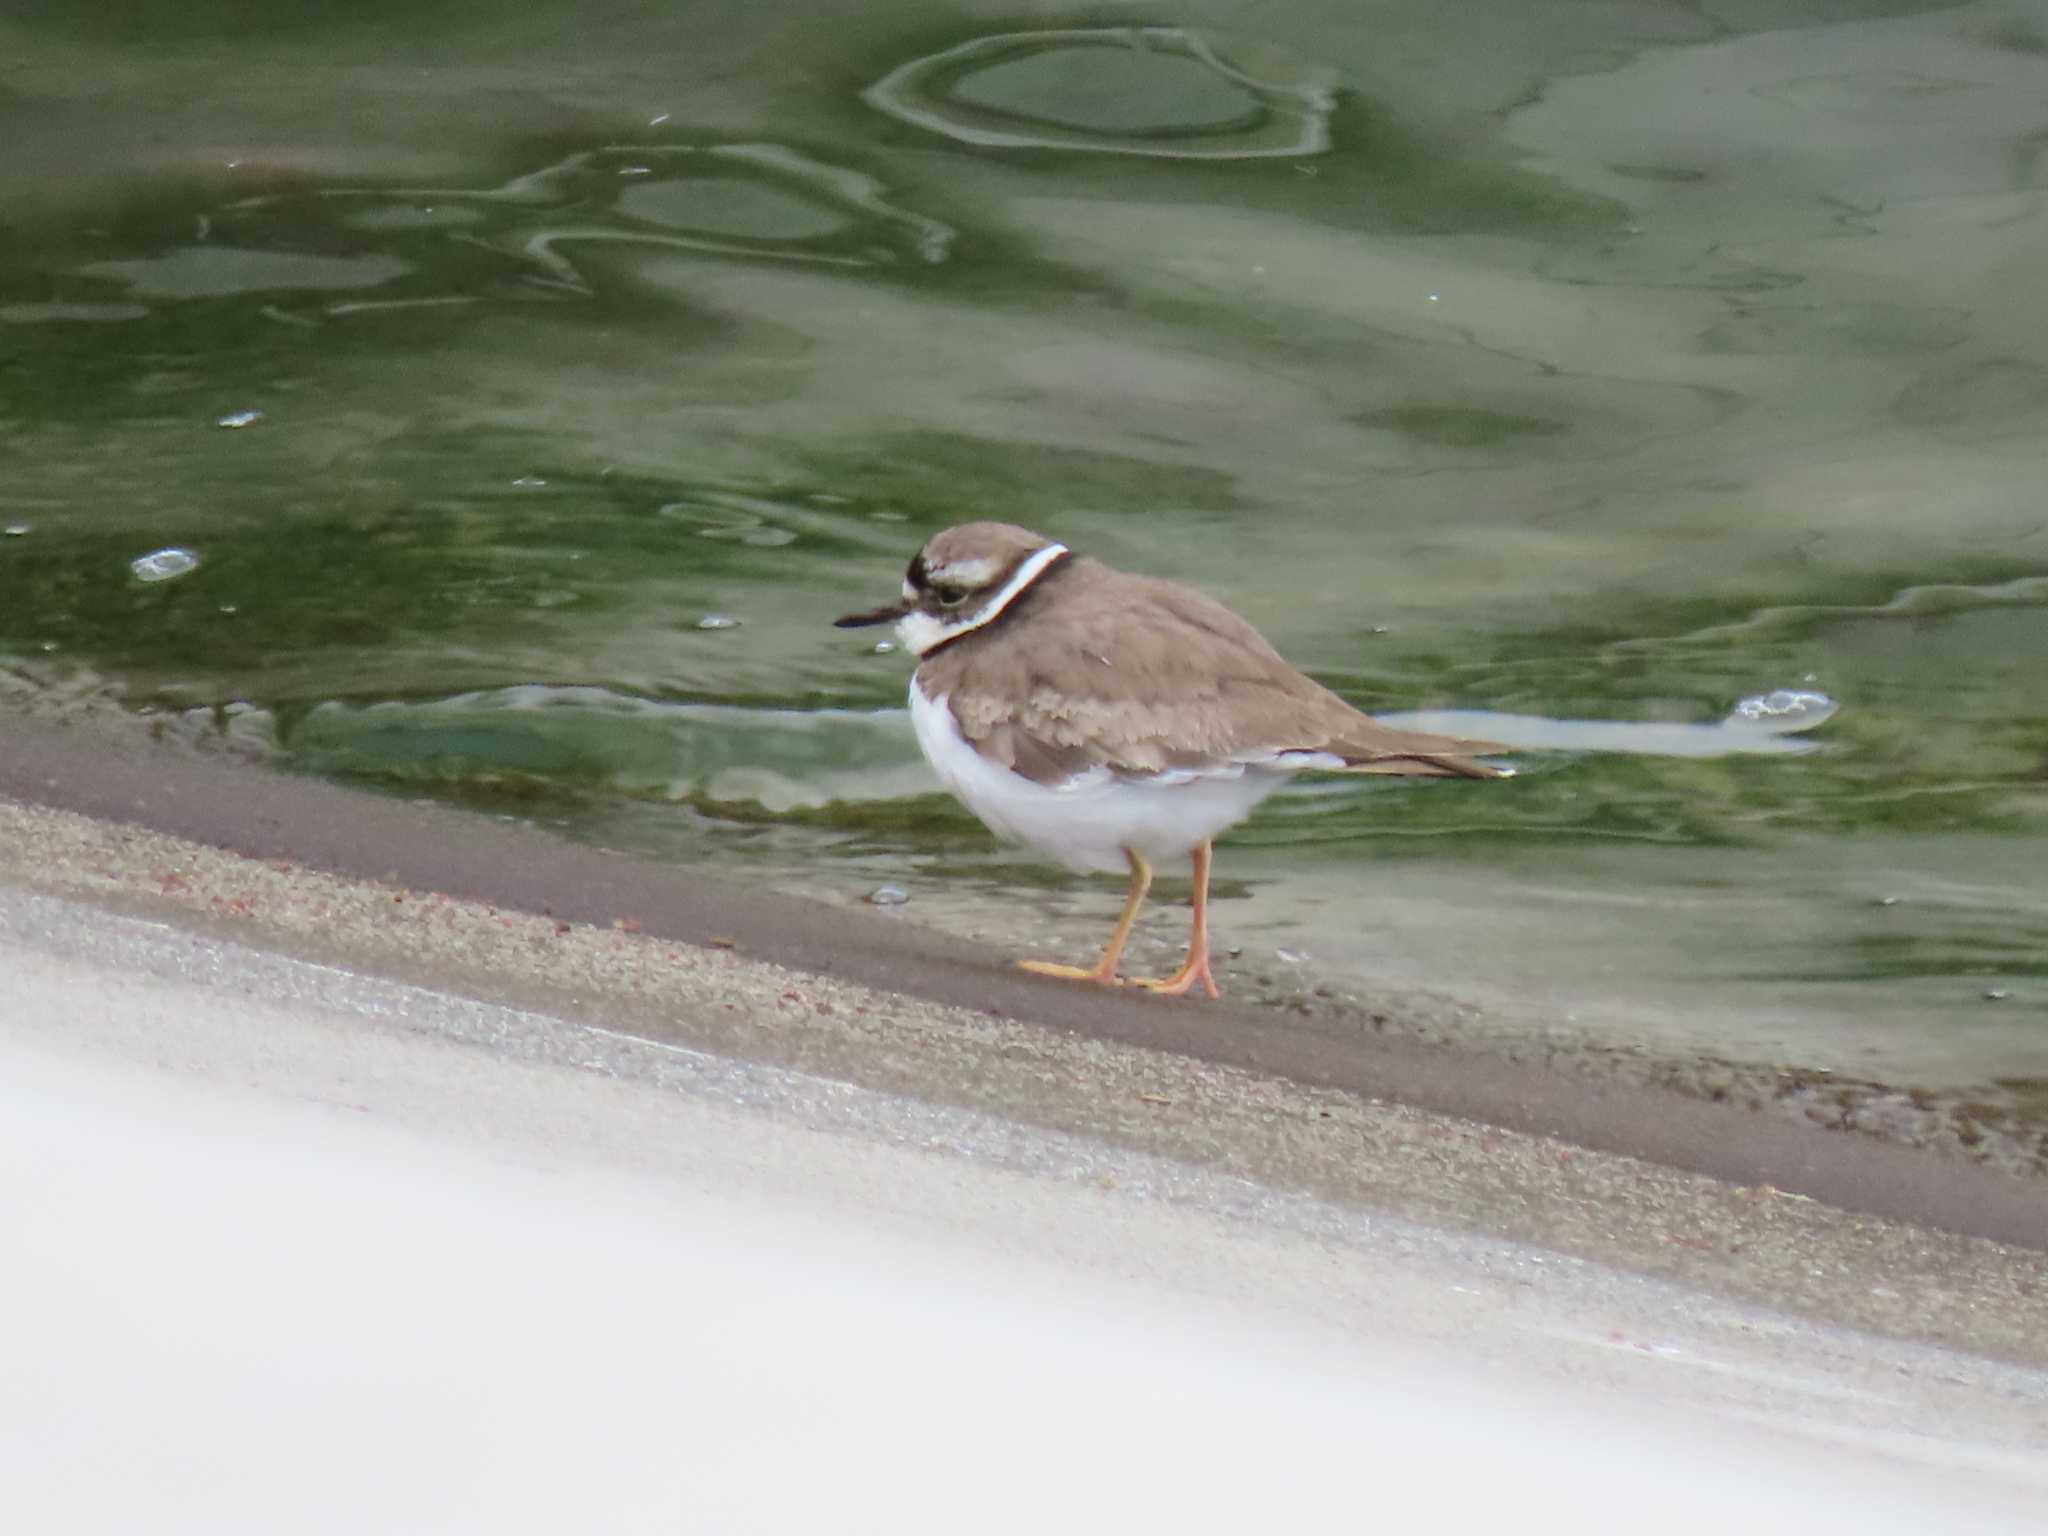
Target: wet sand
pixel 1751 1206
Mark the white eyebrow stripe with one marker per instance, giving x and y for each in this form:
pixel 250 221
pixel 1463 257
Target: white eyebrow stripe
pixel 922 631
pixel 1024 576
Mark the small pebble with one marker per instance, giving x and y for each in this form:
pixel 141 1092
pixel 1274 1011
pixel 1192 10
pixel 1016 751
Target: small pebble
pixel 718 621
pixel 887 896
pixel 18 530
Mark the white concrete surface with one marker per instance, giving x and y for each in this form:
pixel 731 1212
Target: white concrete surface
pixel 286 1249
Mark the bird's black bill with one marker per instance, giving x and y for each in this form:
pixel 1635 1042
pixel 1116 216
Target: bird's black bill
pixel 888 615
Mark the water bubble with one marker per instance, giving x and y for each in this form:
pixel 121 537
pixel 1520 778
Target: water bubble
pixel 164 564
pixel 1784 709
pixel 718 621
pixel 887 896
pixel 240 419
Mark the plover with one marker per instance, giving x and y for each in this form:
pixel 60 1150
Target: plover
pixel 1111 720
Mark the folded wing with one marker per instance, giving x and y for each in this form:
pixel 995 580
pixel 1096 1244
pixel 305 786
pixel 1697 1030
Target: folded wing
pixel 1148 679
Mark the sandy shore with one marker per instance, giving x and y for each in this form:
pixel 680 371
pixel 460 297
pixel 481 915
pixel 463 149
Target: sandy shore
pixel 547 1216
pixel 533 1271
pixel 1838 1227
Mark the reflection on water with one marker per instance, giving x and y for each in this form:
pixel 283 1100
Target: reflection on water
pixel 1633 389
pixel 588 739
pixel 208 271
pixel 1762 725
pixel 42 314
pixel 760 201
pixel 829 760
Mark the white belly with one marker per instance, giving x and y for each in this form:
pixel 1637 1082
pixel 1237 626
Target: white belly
pixel 1087 822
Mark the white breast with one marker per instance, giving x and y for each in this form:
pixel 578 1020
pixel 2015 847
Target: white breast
pixel 1087 822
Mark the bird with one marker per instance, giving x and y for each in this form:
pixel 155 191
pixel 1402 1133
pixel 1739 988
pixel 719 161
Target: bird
pixel 1112 720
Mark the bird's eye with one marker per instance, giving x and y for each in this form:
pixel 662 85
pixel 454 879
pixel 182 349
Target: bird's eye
pixel 950 596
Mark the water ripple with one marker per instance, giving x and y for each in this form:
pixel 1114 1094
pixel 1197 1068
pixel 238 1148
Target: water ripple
pixel 1161 92
pixel 747 201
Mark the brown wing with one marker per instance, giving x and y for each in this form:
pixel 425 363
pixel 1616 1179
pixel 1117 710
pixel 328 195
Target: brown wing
pixel 1145 677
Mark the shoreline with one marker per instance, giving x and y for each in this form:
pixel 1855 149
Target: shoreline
pixel 1861 1145
pixel 483 1205
pixel 1748 1204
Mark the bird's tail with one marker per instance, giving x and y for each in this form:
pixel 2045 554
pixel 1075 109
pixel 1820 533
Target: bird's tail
pixel 1420 754
pixel 1434 765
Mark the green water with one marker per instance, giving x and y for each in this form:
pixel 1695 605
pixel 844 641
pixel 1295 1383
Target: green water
pixel 531 390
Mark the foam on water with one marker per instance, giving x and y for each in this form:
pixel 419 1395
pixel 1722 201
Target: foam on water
pixel 164 564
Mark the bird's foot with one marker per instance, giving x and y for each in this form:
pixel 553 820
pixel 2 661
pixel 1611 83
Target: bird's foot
pixel 1181 982
pixel 1094 973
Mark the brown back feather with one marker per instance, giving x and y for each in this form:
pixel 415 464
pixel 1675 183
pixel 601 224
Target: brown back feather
pixel 1144 676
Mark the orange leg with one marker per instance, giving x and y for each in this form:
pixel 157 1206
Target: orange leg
pixel 1104 973
pixel 1196 967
